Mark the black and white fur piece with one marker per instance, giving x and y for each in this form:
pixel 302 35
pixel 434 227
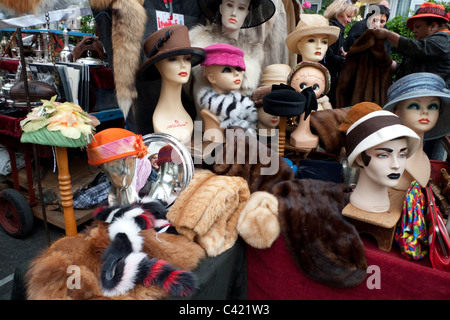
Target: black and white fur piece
pixel 232 109
pixel 123 263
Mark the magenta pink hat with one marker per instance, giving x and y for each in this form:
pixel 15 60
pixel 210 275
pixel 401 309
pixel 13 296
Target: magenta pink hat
pixel 221 54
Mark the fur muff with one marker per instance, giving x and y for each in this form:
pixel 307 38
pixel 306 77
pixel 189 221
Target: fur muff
pixel 325 124
pixel 51 274
pixel 128 25
pixel 323 244
pixel 258 222
pixel 244 156
pixel 207 211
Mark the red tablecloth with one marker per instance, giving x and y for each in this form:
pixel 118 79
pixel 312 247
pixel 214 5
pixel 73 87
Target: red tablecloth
pixel 273 275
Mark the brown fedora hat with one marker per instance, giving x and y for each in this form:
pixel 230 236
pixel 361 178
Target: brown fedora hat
pixel 259 11
pixel 311 24
pixel 168 42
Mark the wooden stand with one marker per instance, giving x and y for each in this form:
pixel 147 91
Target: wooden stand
pixel 65 189
pixel 380 225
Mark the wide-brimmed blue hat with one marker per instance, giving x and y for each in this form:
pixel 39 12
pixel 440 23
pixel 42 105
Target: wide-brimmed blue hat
pixel 423 84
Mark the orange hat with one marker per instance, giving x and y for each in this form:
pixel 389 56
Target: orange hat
pixel 115 143
pixel 429 10
pixel 356 112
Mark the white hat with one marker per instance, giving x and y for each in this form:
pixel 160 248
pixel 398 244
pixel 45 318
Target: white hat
pixel 375 128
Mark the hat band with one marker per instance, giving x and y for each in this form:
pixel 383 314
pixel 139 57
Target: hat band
pixel 126 145
pixel 158 45
pixel 431 10
pixel 368 127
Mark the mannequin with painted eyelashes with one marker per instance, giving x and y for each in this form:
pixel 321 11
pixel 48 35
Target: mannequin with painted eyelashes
pixel 305 77
pixel 233 13
pixel 313 47
pixel 421 115
pixel 120 173
pixel 170 116
pixel 381 167
pixel 224 79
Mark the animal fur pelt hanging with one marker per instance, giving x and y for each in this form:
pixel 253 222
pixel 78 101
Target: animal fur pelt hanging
pixel 323 244
pixel 367 73
pixel 116 260
pixel 128 24
pixel 33 6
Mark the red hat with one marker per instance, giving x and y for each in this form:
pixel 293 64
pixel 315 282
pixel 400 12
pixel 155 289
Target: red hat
pixel 429 10
pixel 168 154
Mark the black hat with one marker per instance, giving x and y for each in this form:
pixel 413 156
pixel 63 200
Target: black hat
pixel 259 11
pixel 284 101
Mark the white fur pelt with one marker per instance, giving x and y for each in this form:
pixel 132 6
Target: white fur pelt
pixel 232 109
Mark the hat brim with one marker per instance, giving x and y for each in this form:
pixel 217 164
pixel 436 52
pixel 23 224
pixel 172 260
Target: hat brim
pixel 409 22
pixel 294 37
pixel 442 127
pixel 260 13
pixel 149 72
pixel 386 134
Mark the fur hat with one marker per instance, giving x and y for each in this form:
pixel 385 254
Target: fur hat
pixel 316 65
pixel 357 112
pixel 259 11
pixel 429 10
pixel 311 24
pixel 222 54
pixel 423 84
pixel 115 143
pixel 374 128
pixel 168 42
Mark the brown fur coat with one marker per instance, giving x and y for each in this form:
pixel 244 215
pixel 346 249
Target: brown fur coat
pixel 49 273
pixel 367 73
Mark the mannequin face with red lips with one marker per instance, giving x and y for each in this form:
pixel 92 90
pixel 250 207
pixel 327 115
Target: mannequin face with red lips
pixel 175 69
pixel 224 79
pixel 313 47
pixel 419 114
pixel 234 13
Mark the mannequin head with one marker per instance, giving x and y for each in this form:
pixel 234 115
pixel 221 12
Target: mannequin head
pixel 420 114
pixel 233 13
pixel 266 120
pixel 176 69
pixel 313 47
pixel 312 37
pixel 224 67
pixel 384 164
pixel 310 74
pixel 120 172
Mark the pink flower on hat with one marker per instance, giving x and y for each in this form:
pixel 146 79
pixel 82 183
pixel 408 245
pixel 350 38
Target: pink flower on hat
pixel 221 54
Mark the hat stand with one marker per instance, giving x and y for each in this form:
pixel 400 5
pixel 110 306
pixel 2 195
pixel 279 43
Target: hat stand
pixel 65 185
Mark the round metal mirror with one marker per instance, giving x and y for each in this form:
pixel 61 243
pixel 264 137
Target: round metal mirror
pixel 172 166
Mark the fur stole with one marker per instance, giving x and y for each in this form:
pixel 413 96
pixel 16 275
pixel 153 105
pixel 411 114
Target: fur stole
pixel 214 210
pixel 232 109
pixel 122 259
pixel 323 244
pixel 128 25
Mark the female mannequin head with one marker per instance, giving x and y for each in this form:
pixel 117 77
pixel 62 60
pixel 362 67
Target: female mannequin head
pixel 311 37
pixel 234 13
pixel 176 69
pixel 224 67
pixel 310 74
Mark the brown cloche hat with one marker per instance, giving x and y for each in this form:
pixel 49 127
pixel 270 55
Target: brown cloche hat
pixel 168 42
pixel 356 112
pixel 260 11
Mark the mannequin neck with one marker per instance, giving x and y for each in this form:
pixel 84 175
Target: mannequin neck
pixel 231 33
pixel 369 195
pixel 170 94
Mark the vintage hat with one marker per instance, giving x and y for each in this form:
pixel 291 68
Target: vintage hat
pixel 259 11
pixel 222 54
pixel 423 84
pixel 429 10
pixel 317 65
pixel 356 112
pixel 168 42
pixel 374 128
pixel 115 143
pixel 168 154
pixel 311 24
pixel 275 74
pixel 284 101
